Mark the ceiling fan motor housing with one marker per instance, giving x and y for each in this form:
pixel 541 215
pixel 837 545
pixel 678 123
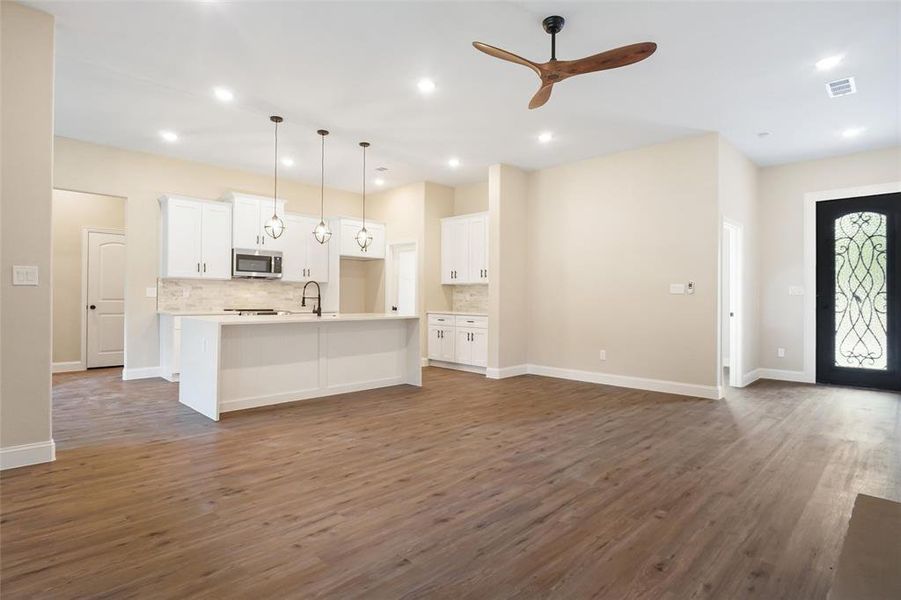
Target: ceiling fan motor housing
pixel 553 24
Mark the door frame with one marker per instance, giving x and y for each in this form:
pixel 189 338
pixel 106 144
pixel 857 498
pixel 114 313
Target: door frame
pixel 85 232
pixel 391 271
pixel 809 373
pixel 735 231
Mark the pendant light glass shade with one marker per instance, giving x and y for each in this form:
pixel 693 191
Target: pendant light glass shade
pixel 275 227
pixel 363 237
pixel 322 233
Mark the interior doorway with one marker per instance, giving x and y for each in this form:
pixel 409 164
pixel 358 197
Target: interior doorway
pixel 104 288
pixel 731 312
pixel 402 278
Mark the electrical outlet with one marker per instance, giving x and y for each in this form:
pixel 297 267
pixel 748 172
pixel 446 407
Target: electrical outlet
pixel 603 355
pixel 780 352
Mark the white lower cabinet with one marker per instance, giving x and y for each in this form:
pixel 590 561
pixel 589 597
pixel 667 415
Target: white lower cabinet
pixel 459 339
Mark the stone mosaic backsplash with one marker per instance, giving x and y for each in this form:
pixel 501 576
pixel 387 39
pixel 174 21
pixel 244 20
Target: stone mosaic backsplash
pixel 199 295
pixel 471 298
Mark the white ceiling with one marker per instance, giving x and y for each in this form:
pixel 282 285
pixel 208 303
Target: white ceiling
pixel 125 70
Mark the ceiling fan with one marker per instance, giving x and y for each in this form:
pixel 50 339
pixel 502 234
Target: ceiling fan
pixel 554 71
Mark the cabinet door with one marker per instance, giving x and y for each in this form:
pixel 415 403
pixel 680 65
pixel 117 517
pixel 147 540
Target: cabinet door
pixel 463 347
pixel 216 241
pixel 435 343
pixel 447 251
pixel 184 229
pixel 478 249
pixel 448 345
pixel 479 347
pixel 377 247
pixel 455 251
pixel 317 254
pixel 246 223
pixel 349 246
pixel 294 249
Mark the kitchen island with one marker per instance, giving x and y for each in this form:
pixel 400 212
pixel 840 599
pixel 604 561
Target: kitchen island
pixel 231 362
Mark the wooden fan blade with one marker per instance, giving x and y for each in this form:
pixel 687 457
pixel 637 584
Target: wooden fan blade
pixel 504 55
pixel 611 59
pixel 541 96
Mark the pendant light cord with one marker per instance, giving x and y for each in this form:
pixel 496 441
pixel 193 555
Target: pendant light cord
pixel 275 176
pixel 322 182
pixel 364 187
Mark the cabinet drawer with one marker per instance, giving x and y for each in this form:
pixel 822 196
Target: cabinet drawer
pixel 473 322
pixel 446 320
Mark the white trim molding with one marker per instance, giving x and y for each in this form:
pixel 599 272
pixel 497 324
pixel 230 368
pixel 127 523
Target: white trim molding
pixel 141 373
pixel 68 366
pixel 424 361
pixel 783 375
pixel 504 372
pixel 810 267
pixel 456 366
pixel 750 377
pixel 23 455
pixel 711 392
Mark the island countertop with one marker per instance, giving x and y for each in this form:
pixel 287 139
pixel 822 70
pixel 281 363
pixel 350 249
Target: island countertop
pixel 227 319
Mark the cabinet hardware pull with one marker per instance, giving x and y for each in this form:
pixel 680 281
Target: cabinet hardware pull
pixel 258 240
pixel 204 267
pixel 198 267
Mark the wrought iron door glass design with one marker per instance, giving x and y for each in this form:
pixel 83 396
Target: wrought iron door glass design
pixel 861 311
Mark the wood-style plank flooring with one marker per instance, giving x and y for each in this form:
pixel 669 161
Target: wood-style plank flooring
pixel 467 488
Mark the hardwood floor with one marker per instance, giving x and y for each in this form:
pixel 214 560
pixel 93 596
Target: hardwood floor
pixel 468 488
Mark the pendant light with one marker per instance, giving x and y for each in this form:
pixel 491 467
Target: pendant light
pixel 275 226
pixel 322 233
pixel 364 237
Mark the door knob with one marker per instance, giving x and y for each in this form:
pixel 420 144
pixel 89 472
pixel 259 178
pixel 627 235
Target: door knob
pixel 93 307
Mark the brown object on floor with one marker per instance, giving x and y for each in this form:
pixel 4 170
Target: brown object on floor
pixel 869 567
pixel 467 488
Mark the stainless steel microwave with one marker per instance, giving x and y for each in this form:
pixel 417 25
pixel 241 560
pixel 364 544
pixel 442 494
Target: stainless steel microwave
pixel 256 264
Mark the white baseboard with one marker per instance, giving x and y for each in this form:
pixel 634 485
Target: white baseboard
pixel 68 366
pixel 750 377
pixel 456 366
pixel 141 373
pixel 309 394
pixel 424 361
pixel 784 375
pixel 503 373
pixel 654 385
pixel 27 454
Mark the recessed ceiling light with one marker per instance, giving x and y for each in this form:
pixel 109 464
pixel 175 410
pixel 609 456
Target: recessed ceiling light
pixel 426 86
pixel 223 94
pixel 169 136
pixel 288 161
pixel 379 181
pixel 852 132
pixel 453 163
pixel 545 136
pixel 829 62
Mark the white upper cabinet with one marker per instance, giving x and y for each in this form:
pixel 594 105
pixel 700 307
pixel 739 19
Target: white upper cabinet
pixel 304 258
pixel 464 249
pixel 195 238
pixel 250 216
pixel 347 229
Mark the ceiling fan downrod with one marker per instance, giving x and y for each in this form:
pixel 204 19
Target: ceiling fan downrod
pixel 553 25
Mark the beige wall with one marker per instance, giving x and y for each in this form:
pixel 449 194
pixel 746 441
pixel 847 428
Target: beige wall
pixel 439 203
pixel 26 117
pixel 606 237
pixel 737 191
pixel 781 198
pixel 72 213
pixel 512 282
pixel 471 198
pixel 142 178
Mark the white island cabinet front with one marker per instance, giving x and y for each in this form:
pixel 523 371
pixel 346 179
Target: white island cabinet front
pixel 234 362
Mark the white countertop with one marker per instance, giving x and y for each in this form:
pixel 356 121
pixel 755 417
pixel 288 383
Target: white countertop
pixel 190 313
pixel 299 318
pixel 456 313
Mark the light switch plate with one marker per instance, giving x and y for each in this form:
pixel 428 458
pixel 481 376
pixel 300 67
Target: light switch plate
pixel 795 290
pixel 25 275
pixel 780 352
pixel 677 288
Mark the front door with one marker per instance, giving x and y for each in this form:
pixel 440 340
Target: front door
pixel 106 299
pixel 859 292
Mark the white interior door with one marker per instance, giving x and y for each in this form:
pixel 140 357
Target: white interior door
pixel 105 327
pixel 404 272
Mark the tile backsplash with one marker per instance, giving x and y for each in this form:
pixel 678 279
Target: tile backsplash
pixel 471 298
pixel 197 294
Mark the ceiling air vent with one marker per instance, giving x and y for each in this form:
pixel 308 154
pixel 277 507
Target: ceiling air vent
pixel 841 87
